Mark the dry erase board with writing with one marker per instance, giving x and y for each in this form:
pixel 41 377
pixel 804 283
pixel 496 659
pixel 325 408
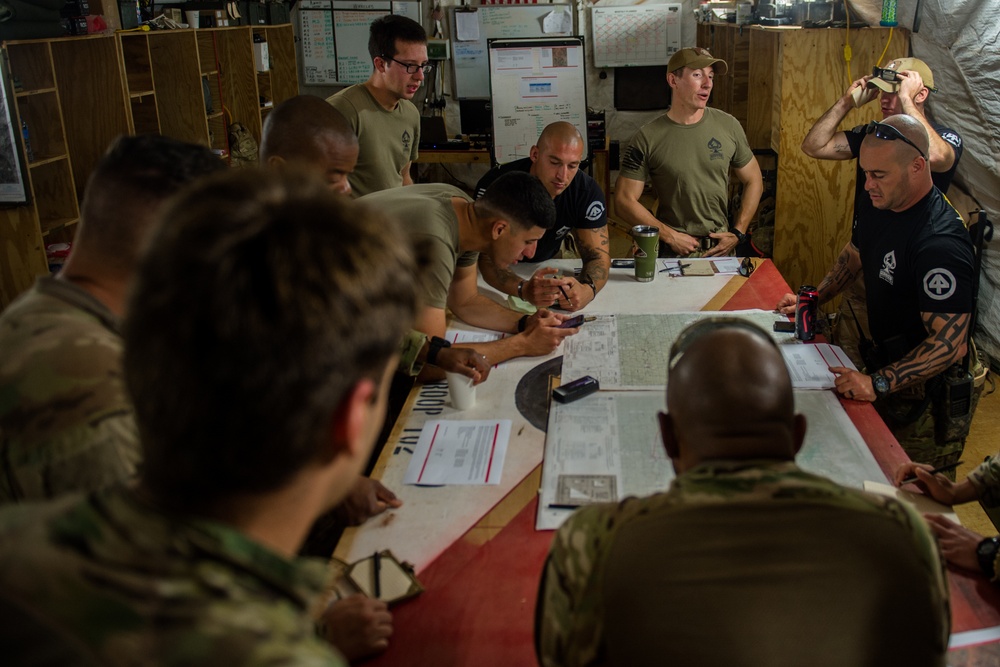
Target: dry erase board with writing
pixel 471 28
pixel 534 82
pixel 635 36
pixel 333 37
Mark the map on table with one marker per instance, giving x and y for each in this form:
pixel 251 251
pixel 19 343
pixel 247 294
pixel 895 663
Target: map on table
pixel 632 351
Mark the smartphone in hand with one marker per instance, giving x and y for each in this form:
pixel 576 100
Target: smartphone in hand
pixel 572 322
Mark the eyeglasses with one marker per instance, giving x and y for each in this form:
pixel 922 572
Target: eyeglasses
pixel 746 267
pixel 426 68
pixel 892 76
pixel 889 133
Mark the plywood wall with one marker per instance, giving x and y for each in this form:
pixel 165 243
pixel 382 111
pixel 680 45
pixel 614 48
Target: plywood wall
pixel 815 198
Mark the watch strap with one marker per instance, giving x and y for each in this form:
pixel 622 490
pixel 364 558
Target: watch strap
pixel 986 553
pixel 436 345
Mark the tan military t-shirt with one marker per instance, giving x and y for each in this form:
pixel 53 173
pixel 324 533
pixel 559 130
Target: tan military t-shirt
pixel 387 139
pixel 688 166
pixel 426 212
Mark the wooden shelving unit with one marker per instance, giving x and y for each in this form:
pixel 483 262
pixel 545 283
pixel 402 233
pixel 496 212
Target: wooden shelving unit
pixel 78 93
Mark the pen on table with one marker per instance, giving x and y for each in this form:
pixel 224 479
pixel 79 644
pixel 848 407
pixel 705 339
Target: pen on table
pixel 679 267
pixel 377 574
pixel 565 296
pixel 562 506
pixel 945 468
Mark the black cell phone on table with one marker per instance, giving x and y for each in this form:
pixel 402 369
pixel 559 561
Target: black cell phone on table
pixel 782 326
pixel 623 264
pixel 576 389
pixel 572 322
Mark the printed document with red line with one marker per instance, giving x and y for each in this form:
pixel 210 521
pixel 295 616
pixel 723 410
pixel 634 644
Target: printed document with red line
pixel 459 452
pixel 809 364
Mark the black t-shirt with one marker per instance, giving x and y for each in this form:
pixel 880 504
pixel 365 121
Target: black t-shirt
pixel 942 179
pixel 579 206
pixel 916 261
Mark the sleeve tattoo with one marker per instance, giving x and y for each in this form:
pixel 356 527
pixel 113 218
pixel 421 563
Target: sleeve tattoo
pixel 944 345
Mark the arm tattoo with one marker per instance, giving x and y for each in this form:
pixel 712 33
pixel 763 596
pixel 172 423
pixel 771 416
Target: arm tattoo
pixel 944 345
pixel 841 275
pixel 596 259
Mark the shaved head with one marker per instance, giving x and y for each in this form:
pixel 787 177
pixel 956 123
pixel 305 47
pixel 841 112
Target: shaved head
pixel 729 397
pixel 910 128
pixel 559 133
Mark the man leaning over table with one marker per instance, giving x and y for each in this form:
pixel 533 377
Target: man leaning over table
pixel 506 224
pixel 916 257
pixel 307 132
pixel 580 208
pixel 687 153
pixel 903 86
pixel 746 559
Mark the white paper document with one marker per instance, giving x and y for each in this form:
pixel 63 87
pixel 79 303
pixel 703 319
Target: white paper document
pixel 809 364
pixel 601 448
pixel 467 26
pixel 614 436
pixel 920 502
pixel 632 351
pixel 557 22
pixel 459 452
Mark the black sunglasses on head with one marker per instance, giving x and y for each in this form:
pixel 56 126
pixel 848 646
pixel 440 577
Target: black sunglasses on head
pixel 892 76
pixel 889 133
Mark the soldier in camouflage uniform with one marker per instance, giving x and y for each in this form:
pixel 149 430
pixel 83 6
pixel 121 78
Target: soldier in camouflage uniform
pixel 65 421
pixel 258 398
pixel 746 559
pixel 961 546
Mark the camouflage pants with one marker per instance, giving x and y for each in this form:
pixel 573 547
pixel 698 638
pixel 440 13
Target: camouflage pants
pixel 918 438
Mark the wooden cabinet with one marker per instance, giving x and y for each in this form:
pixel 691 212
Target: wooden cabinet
pixel 77 94
pixel 791 76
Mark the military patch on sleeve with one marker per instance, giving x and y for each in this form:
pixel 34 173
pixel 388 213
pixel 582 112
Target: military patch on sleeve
pixel 953 139
pixel 939 284
pixel 595 211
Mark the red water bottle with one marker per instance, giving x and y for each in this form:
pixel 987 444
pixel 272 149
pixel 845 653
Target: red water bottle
pixel 805 313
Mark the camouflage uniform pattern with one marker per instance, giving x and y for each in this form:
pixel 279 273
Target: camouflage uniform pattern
pixel 109 580
pixel 66 423
pixel 570 625
pixel 410 348
pixel 986 479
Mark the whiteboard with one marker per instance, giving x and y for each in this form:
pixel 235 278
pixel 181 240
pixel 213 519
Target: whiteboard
pixel 534 82
pixel 470 63
pixel 637 35
pixel 333 37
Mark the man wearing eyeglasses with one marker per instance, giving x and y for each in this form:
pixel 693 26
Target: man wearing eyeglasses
pixel 912 248
pixel 902 86
pixel 380 110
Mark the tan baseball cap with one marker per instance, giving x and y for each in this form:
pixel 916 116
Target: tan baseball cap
pixel 911 64
pixel 696 58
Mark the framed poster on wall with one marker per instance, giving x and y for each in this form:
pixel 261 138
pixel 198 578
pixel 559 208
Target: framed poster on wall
pixel 13 174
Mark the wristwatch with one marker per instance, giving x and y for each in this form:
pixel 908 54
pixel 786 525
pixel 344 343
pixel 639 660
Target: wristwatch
pixel 880 384
pixel 740 236
pixel 436 345
pixel 589 282
pixel 986 552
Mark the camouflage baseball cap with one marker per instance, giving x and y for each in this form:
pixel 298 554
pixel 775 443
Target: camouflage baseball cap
pixel 696 58
pixel 898 65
